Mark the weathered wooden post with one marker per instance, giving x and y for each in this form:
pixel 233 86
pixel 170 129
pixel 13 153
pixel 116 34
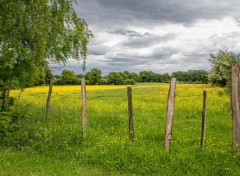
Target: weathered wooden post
pixel 130 114
pixel 235 108
pixel 170 113
pixel 84 109
pixel 48 101
pixel 204 117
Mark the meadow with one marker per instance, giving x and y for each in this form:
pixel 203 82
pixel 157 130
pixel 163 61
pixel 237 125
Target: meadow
pixel 31 149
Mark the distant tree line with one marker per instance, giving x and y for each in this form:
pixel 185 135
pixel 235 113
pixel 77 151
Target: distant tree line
pixel 219 75
pixel 95 77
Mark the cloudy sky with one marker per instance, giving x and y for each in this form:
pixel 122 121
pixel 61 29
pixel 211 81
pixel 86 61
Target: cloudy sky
pixel 158 35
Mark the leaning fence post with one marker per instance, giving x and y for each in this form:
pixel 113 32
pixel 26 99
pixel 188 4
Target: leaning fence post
pixel 84 109
pixel 235 108
pixel 130 114
pixel 170 113
pixel 48 101
pixel 204 118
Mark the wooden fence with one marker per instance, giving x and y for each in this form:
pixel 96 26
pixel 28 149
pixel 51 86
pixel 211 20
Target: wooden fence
pixel 169 113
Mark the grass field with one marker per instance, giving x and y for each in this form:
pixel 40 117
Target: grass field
pixel 60 150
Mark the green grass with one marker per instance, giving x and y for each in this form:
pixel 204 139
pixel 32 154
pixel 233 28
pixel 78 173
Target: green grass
pixel 30 163
pixel 107 149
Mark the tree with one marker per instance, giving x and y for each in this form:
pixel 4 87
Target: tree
pixel 221 62
pixel 115 78
pixel 146 76
pixel 130 77
pixel 181 76
pixel 198 76
pixel 165 77
pixel 68 77
pixel 134 76
pixel 34 33
pixel 94 76
pixel 129 82
pixel 191 76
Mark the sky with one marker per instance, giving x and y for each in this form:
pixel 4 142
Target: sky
pixel 162 36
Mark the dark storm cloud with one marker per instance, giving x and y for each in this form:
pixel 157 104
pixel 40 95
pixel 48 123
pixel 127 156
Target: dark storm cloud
pixel 142 40
pixel 123 59
pixel 180 11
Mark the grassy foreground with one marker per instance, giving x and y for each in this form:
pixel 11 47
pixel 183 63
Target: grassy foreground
pixel 60 150
pixel 30 163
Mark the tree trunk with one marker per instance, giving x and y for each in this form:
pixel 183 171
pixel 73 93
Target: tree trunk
pixel 7 95
pixel 4 94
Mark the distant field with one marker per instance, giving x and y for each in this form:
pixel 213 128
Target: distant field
pixel 107 149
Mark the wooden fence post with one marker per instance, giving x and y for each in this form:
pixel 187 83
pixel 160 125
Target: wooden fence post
pixel 48 101
pixel 130 114
pixel 170 113
pixel 235 108
pixel 84 109
pixel 204 117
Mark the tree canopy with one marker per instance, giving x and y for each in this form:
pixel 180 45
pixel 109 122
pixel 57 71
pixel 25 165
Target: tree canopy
pixel 34 33
pixel 94 76
pixel 221 62
pixel 191 76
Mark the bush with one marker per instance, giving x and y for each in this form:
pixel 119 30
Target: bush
pixel 13 128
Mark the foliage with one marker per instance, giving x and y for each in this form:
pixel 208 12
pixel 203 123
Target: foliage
pixel 146 76
pixel 104 81
pixel 130 75
pixel 94 76
pixel 115 78
pixel 191 76
pixel 149 76
pixel 68 77
pixel 222 62
pixel 32 33
pixel 129 82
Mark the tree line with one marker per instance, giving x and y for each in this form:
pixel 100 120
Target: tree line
pixel 219 75
pixel 95 77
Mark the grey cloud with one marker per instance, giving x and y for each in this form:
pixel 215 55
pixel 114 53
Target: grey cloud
pixel 181 11
pixel 122 18
pixel 163 52
pixel 129 61
pixel 130 33
pixel 97 50
pixel 147 40
pixel 141 40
